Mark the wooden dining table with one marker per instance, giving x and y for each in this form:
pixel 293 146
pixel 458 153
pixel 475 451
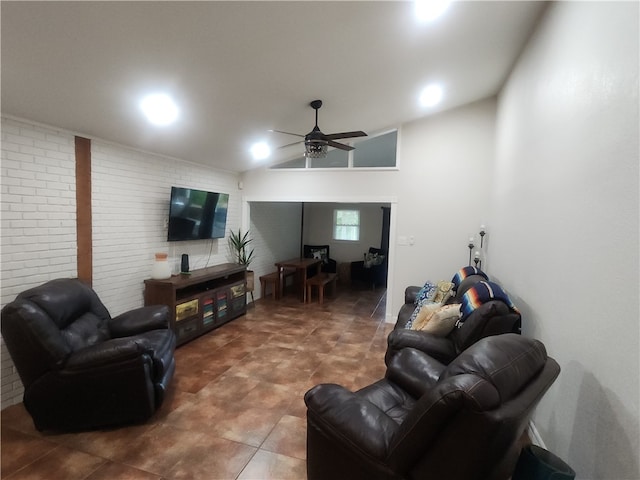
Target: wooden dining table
pixel 300 265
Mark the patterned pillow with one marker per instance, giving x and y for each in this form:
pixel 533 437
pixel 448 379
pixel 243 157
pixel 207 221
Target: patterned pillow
pixel 427 292
pixel 443 291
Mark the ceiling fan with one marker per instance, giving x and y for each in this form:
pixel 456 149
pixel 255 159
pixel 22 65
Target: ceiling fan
pixel 317 143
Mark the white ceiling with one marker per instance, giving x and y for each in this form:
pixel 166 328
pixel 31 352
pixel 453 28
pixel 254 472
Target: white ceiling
pixel 237 69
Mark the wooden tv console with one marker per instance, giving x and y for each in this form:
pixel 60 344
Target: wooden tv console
pixel 202 300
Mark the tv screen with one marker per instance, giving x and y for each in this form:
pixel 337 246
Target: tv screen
pixel 196 214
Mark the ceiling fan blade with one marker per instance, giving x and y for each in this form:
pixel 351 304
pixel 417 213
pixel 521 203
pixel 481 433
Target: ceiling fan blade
pixel 287 133
pixel 340 146
pixel 290 144
pixel 336 136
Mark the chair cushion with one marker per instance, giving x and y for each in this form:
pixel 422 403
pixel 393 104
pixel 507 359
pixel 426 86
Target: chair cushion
pixel 66 299
pixel 466 334
pixel 389 398
pixel 507 361
pixel 85 331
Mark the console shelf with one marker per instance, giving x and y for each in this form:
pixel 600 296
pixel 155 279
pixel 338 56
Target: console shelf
pixel 202 300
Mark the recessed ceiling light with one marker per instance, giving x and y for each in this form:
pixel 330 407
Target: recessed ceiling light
pixel 260 151
pixel 430 10
pixel 431 95
pixel 160 109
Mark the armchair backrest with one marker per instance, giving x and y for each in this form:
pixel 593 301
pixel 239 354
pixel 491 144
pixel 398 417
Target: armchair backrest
pixel 45 324
pixel 492 318
pixel 322 250
pixel 465 285
pixel 468 425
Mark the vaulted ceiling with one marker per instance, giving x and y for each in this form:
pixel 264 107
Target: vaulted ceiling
pixel 237 69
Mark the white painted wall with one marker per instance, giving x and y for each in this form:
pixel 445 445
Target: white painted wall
pixel 564 224
pixel 439 194
pixel 275 232
pixel 318 229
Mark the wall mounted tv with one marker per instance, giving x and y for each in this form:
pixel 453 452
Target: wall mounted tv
pixel 196 214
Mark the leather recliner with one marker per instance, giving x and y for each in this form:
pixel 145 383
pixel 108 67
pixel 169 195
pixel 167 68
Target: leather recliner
pixel 82 369
pixel 492 318
pixel 374 275
pixel 426 420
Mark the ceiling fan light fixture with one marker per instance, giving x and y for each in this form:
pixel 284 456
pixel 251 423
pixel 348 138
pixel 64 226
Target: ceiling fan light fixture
pixel 315 149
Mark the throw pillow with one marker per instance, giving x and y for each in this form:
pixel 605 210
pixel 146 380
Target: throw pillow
pixel 427 292
pixel 443 292
pixel 378 259
pixel 320 253
pixel 443 320
pixel 368 259
pixel 424 314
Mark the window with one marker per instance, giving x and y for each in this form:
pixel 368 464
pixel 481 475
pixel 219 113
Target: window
pixel 346 225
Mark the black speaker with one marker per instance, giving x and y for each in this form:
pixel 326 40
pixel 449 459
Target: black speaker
pixel 184 265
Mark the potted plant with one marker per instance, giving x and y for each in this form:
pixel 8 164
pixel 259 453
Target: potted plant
pixel 239 246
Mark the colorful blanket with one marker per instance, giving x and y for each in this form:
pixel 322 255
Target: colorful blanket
pixel 480 293
pixel 465 272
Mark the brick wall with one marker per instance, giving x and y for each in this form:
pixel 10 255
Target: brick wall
pixel 38 218
pixel 130 203
pixel 131 193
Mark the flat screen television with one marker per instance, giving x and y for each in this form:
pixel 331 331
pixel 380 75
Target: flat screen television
pixel 196 214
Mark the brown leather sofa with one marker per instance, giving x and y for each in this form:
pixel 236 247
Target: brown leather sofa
pixel 427 420
pixel 80 368
pixel 492 318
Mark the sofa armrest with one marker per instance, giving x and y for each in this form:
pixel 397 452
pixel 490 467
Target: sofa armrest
pixel 404 315
pixel 414 371
pixel 440 348
pixel 411 293
pixel 139 320
pixel 111 352
pixel 350 420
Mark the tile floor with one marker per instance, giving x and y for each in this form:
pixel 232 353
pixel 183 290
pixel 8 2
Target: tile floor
pixel 235 409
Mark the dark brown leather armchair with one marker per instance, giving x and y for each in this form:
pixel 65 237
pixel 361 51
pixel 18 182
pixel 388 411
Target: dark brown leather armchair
pixel 425 420
pixel 373 275
pixel 80 368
